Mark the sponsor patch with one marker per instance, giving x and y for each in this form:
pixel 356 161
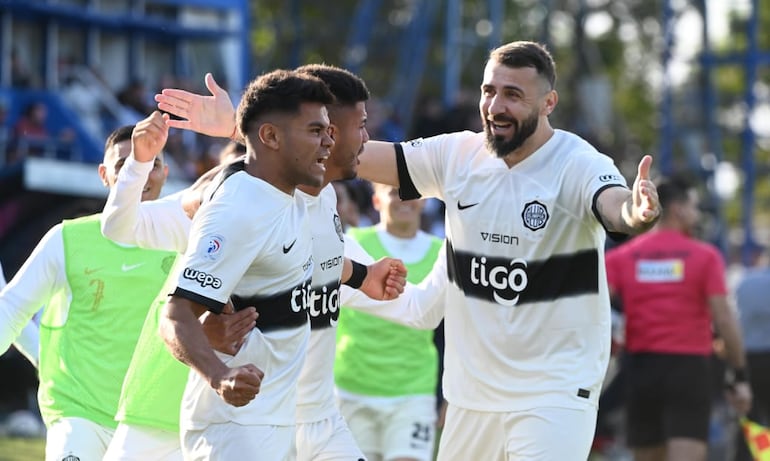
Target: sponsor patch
pixel 202 278
pixel 416 142
pixel 662 270
pixel 214 247
pixel 609 178
pixel 535 215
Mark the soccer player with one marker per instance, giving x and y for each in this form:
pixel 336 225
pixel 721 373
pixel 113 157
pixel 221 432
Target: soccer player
pixel 148 411
pixel 96 295
pixel 316 411
pixel 389 399
pixel 527 321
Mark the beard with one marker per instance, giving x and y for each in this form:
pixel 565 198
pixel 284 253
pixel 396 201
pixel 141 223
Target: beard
pixel 522 132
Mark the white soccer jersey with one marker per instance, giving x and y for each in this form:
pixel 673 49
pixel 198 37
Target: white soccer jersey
pixel 252 243
pixel 315 391
pixel 527 314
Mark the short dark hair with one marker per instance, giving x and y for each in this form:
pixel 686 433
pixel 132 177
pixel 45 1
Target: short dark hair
pixel 526 54
pixel 118 135
pixel 348 88
pixel 279 91
pixel 674 189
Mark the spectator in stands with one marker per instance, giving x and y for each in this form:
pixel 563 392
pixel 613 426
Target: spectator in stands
pixel 672 289
pixel 31 136
pixel 21 76
pixel 134 97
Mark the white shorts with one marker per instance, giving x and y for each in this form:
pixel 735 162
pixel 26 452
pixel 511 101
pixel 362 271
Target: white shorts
pixel 140 443
pixel 230 441
pixel 326 440
pixel 77 438
pixel 388 428
pixel 540 434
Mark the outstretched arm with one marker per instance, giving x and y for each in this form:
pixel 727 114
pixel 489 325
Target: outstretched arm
pixel 420 306
pixel 384 279
pixel 631 212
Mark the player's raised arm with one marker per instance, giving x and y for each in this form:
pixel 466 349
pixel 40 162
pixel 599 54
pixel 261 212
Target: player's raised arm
pixel 212 115
pixel 631 212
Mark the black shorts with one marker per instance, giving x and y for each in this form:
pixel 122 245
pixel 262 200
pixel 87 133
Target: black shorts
pixel 668 396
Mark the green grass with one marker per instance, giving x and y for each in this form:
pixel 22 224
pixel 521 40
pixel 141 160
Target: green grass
pixel 22 449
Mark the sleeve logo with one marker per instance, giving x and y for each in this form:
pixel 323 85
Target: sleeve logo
pixel 202 278
pixel 609 178
pixel 214 247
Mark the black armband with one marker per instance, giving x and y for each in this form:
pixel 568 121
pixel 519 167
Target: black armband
pixel 357 277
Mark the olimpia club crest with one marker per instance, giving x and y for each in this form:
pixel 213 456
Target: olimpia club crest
pixel 338 227
pixel 535 215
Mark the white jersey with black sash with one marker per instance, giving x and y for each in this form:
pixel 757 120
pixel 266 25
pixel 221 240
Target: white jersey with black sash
pixel 251 243
pixel 527 321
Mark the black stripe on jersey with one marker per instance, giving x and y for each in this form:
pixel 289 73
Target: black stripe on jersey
pixel 227 171
pixel 324 305
pixel 211 304
pixel 617 236
pixel 287 309
pixel 407 189
pixel 513 281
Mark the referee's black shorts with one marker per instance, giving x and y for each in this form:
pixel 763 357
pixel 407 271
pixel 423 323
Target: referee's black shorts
pixel 668 396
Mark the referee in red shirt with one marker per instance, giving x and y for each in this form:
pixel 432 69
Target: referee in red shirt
pixel 672 289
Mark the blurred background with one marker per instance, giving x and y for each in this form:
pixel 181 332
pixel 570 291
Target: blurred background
pixel 684 80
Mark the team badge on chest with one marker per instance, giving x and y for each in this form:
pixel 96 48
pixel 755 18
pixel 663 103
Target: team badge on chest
pixel 535 215
pixel 338 227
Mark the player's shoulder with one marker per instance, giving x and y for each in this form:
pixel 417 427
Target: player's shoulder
pixel 463 141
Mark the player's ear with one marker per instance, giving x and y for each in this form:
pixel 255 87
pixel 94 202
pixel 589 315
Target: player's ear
pixel 333 131
pixel 270 135
pixel 550 101
pixel 102 170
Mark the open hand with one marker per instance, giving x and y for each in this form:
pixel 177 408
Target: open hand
pixel 210 115
pixel 646 207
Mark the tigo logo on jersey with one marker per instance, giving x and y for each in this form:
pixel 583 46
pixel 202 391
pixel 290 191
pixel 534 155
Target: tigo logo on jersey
pixel 660 271
pixel 507 283
pixel 535 215
pixel 214 246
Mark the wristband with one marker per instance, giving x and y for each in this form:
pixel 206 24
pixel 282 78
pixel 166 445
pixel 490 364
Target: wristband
pixel 357 277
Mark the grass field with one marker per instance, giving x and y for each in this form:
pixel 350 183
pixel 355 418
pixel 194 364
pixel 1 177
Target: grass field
pixel 16 449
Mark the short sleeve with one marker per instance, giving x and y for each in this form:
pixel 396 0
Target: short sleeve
pixel 219 253
pixel 423 168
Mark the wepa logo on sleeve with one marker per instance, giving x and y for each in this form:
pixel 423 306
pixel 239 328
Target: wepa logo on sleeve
pixel 610 178
pixel 202 278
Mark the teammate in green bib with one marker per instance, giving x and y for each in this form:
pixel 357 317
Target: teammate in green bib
pixel 96 295
pixel 386 373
